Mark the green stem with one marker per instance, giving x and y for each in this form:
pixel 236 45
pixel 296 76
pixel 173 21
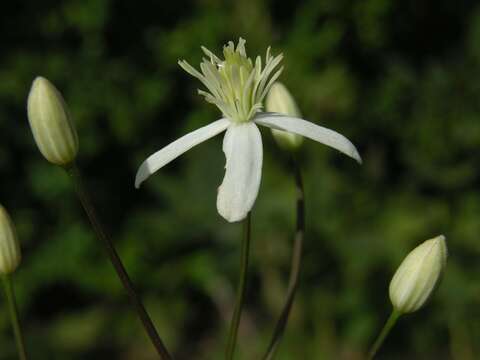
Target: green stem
pixel 232 337
pixel 295 265
pixel 135 300
pixel 384 333
pixel 13 310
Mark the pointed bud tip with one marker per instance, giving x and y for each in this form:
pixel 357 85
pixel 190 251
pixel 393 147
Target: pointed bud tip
pixel 441 238
pixel 40 79
pixel 40 84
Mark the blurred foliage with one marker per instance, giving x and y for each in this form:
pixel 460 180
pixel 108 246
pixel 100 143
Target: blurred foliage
pixel 399 78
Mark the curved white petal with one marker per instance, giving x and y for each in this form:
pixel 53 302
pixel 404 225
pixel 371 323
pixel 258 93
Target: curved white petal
pixel 177 148
pixel 243 150
pixel 309 130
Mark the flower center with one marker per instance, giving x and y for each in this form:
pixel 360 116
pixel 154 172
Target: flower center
pixel 236 85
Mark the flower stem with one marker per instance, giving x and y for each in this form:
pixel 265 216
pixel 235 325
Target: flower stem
pixel 232 337
pixel 135 300
pixel 384 333
pixel 295 264
pixel 13 310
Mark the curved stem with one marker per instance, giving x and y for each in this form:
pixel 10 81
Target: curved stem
pixel 295 265
pixel 383 334
pixel 13 310
pixel 135 300
pixel 232 337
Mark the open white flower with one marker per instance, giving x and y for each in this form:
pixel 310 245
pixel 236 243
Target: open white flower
pixel 237 86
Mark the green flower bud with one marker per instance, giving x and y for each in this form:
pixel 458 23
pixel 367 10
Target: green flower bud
pixel 281 101
pixel 9 248
pixel 418 275
pixel 50 122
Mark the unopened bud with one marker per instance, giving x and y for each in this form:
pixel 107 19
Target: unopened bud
pixel 281 101
pixel 50 122
pixel 418 275
pixel 9 248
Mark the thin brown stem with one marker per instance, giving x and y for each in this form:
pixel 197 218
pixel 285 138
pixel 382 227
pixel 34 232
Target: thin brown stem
pixel 242 285
pixel 295 265
pixel 135 300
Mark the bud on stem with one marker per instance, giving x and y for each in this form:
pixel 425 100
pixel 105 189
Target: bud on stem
pixel 418 275
pixel 281 101
pixel 9 248
pixel 51 124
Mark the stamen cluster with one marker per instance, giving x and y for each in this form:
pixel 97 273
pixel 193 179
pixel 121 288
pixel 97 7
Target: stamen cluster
pixel 236 85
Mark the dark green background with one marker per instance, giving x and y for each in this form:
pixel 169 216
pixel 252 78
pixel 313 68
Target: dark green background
pixel 399 78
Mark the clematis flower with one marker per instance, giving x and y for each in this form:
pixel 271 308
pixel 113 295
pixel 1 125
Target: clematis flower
pixel 238 86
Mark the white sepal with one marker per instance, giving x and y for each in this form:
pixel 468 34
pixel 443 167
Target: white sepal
pixel 308 130
pixel 178 147
pixel 243 150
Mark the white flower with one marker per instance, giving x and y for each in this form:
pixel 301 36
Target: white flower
pixel 237 86
pixel 418 275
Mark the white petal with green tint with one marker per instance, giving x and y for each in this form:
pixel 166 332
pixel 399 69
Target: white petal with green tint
pixel 308 130
pixel 177 148
pixel 242 146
